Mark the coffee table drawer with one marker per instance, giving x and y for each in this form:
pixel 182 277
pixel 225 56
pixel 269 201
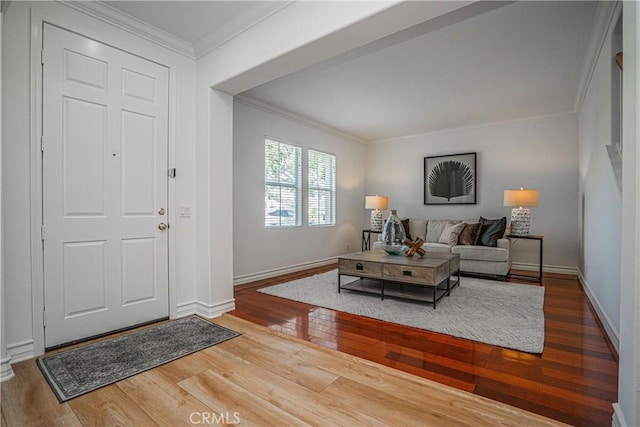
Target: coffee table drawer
pixel 360 268
pixel 430 276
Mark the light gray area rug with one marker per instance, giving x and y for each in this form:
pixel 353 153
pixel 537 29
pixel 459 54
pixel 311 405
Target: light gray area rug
pixel 80 370
pixel 497 313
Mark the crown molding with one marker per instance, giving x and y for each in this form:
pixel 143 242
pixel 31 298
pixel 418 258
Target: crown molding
pixel 269 108
pixel 238 25
pixel 110 15
pixel 606 15
pixel 521 120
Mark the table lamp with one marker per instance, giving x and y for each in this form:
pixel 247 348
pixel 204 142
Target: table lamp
pixel 378 204
pixel 521 200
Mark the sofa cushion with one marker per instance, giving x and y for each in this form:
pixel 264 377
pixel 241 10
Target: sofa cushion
pixel 470 234
pixel 407 228
pixel 491 231
pixel 450 233
pixel 481 253
pixel 436 247
pixel 435 227
pixel 418 228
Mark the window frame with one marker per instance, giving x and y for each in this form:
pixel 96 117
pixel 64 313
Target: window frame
pixel 298 185
pixel 332 191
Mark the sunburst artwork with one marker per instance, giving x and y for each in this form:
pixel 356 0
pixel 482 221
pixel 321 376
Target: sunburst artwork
pixel 450 179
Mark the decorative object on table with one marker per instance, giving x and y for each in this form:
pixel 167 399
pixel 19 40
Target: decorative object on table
pixel 450 180
pixel 521 200
pixel 378 204
pixel 393 235
pixel 415 247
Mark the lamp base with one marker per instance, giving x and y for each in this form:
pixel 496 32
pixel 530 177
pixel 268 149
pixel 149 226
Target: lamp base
pixel 520 221
pixel 376 220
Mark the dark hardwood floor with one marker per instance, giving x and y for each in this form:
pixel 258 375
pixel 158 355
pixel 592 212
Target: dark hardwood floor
pixel 574 380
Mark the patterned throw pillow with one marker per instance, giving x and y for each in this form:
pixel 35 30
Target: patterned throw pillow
pixel 470 234
pixel 450 233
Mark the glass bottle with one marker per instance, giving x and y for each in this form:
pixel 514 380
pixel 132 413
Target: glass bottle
pixel 393 235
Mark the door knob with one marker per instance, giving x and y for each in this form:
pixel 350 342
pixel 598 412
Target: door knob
pixel 162 226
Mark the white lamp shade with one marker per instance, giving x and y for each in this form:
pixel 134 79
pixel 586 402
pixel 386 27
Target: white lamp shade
pixel 521 198
pixel 376 202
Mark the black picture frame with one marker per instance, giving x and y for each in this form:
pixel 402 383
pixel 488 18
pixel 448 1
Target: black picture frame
pixel 450 179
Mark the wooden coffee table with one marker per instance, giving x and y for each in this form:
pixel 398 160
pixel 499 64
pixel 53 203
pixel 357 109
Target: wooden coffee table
pixel 387 274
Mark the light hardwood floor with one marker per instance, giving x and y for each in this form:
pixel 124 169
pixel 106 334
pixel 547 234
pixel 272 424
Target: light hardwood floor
pixel 261 378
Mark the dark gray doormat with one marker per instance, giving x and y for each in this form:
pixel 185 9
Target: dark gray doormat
pixel 83 369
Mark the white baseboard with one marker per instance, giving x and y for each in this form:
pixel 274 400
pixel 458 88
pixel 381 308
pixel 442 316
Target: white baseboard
pixel 6 372
pixel 21 351
pixel 604 319
pixel 246 278
pixel 215 310
pixel 205 310
pixel 618 417
pixel 545 268
pixel 186 309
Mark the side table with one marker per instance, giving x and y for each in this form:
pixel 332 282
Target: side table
pixel 539 238
pixel 366 239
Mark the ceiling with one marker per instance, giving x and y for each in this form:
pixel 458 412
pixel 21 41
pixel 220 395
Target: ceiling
pixel 188 20
pixel 519 60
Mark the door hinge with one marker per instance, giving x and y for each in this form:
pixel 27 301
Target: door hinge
pixel 42 232
pixel 172 173
pixel 44 319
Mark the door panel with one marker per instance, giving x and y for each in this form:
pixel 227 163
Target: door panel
pixel 138 165
pixel 83 155
pixel 105 121
pixel 84 289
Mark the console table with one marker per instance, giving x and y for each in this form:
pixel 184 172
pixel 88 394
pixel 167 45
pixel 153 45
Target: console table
pixel 366 239
pixel 538 238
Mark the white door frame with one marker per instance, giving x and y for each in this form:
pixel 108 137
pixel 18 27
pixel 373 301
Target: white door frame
pixel 82 27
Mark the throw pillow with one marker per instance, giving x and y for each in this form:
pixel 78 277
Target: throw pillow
pixel 405 224
pixel 491 231
pixel 470 234
pixel 450 233
pixel 435 227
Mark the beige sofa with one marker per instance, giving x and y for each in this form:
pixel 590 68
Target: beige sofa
pixel 474 259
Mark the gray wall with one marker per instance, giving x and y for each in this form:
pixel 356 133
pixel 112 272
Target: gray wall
pixel 601 210
pixel 539 153
pixel 260 250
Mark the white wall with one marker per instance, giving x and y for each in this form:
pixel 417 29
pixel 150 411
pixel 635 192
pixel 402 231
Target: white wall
pixel 23 307
pixel 5 368
pixel 627 410
pixel 601 209
pixel 258 249
pixel 539 153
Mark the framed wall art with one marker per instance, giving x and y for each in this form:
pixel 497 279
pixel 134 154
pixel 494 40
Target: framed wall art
pixel 450 179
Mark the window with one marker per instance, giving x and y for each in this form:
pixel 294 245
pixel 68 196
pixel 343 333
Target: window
pixel 282 184
pixel 322 188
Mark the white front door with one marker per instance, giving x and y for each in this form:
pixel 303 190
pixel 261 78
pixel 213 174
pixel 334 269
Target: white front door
pixel 105 138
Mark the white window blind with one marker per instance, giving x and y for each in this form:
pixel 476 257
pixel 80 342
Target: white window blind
pixel 282 184
pixel 322 188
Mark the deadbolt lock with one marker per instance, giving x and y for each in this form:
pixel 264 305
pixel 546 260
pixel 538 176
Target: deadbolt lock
pixel 161 211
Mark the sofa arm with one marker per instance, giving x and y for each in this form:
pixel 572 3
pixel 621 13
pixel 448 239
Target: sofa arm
pixel 504 243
